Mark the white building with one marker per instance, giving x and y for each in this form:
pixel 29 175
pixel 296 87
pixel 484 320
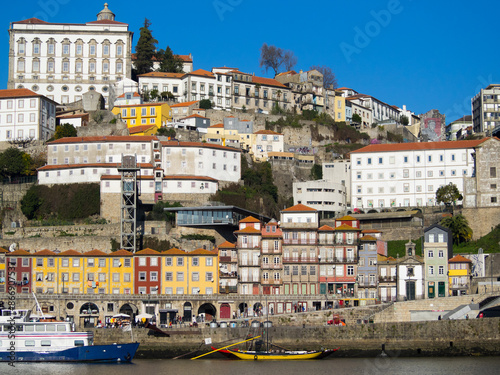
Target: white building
pixel 339 172
pixel 64 60
pixel 408 174
pixel 77 159
pixel 25 114
pixel 322 195
pixel 485 109
pixel 264 142
pixel 380 111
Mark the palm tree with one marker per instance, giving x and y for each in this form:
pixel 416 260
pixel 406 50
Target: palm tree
pixel 459 226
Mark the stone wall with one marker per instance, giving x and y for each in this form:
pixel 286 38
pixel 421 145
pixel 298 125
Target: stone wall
pixel 482 220
pixel 465 337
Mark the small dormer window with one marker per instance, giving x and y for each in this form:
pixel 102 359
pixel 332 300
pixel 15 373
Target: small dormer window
pixel 410 251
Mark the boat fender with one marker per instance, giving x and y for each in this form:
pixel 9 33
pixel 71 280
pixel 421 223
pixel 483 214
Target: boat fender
pixel 255 357
pixel 128 357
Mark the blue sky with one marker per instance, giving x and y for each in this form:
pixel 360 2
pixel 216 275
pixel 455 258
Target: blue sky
pixel 425 54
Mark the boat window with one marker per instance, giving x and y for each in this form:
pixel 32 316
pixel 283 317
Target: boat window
pixel 61 328
pixel 79 343
pixel 29 343
pixel 19 328
pixel 46 343
pixel 29 328
pixel 40 327
pixel 50 327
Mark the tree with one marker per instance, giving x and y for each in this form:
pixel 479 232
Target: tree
pixel 356 118
pixel 205 104
pixel 316 172
pixel 169 62
pixel 276 58
pixel 65 130
pixel 448 194
pixel 404 120
pixel 154 95
pixel 329 79
pixel 31 202
pixel 166 132
pixel 145 49
pixel 13 163
pixel 459 226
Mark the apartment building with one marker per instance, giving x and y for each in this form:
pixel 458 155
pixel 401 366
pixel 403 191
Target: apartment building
pixel 264 142
pixel 486 109
pixel 25 114
pixel 156 113
pixel 380 111
pixel 248 246
pixel 64 60
pixel 326 196
pixel 438 249
pixel 408 174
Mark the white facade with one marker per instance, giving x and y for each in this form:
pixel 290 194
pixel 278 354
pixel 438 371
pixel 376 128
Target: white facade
pixel 87 159
pixel 401 175
pixel 266 141
pixel 485 109
pixel 26 115
pixel 339 172
pixel 63 61
pixel 413 273
pixel 380 111
pixel 366 114
pixel 321 195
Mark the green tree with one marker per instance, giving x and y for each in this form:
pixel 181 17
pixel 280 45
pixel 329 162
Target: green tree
pixel 356 118
pixel 205 104
pixel 13 163
pixel 154 95
pixel 65 130
pixel 404 120
pixel 31 202
pixel 448 194
pixel 166 95
pixel 459 226
pixel 316 172
pixel 169 62
pixel 166 132
pixel 145 49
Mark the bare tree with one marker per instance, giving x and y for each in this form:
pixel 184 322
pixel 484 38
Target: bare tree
pixel 274 57
pixel 329 78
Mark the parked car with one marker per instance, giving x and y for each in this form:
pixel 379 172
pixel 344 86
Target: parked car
pixel 492 312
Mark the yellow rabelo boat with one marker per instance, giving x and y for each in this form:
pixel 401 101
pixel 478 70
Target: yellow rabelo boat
pixel 279 355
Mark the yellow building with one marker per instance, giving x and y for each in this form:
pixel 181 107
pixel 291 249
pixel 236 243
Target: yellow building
pixel 190 273
pixel 3 274
pixel 70 272
pixel 121 272
pixel 217 134
pixel 339 109
pixel 144 114
pixel 459 275
pixel 45 273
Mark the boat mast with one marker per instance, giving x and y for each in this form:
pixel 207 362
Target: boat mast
pixel 38 305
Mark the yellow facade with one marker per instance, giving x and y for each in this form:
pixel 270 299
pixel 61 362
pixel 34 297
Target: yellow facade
pixel 190 273
pixel 121 272
pixel 44 275
pixel 339 108
pixel 3 272
pixel 217 134
pixel 70 272
pixel 144 114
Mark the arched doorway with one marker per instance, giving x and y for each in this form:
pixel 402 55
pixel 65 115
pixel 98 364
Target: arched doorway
pixel 89 315
pixel 187 312
pixel 257 309
pixel 243 309
pixel 225 311
pixel 209 312
pixel 130 310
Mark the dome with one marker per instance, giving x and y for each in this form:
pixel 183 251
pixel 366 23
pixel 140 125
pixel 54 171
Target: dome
pixel 105 14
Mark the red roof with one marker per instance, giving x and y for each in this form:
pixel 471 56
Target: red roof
pixel 299 207
pixel 249 219
pixel 121 253
pixel 459 259
pixel 45 252
pixel 347 218
pixel 140 128
pixel 368 238
pixel 226 244
pixel 185 58
pixel 185 104
pixel 135 94
pixel 248 230
pixel 202 252
pixel 148 252
pixel 33 20
pixel 217 126
pixel 345 227
pixel 267 81
pixel 95 253
pixel 194 116
pixel 420 146
pixel 174 251
pixel 105 138
pixel 17 93
pixel 325 228
pixel 202 73
pixel 19 252
pixel 198 144
pixel 70 253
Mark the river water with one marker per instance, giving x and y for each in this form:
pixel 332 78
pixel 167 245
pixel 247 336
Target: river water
pixel 382 366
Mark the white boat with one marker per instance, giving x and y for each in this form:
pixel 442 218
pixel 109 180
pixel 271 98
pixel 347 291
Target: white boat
pixel 22 339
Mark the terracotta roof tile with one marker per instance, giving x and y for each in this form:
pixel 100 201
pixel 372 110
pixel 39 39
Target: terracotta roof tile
pixel 19 252
pixel 17 93
pixel 194 116
pixel 249 219
pixel 2 250
pixel 248 230
pixel 299 207
pixel 147 252
pixel 174 251
pixel 217 126
pixel 325 228
pixel 368 238
pixel 184 104
pixel 202 73
pixel 459 259
pixel 198 144
pixel 267 81
pixel 345 227
pixel 95 253
pixel 202 252
pixel 45 252
pixel 140 128
pixel 347 218
pixel 227 244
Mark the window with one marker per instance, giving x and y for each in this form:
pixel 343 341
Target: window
pixel 142 276
pixel 180 261
pixel 441 254
pixel 493 172
pixel 430 254
pixel 441 270
pixel 180 276
pixel 431 270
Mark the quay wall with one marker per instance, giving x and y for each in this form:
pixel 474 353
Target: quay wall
pixel 432 338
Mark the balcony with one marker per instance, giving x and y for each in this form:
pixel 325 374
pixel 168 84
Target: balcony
pixel 386 279
pixel 270 266
pixel 367 284
pixel 349 260
pixel 300 242
pixel 270 282
pixel 250 264
pixel 300 260
pixel 228 289
pixel 249 279
pixel 228 275
pixel 227 259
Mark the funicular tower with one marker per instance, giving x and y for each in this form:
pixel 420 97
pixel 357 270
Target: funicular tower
pixel 129 192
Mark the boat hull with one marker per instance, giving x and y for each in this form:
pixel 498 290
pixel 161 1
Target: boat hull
pixel 286 356
pixel 93 353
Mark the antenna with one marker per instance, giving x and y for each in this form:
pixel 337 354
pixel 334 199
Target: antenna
pixel 12 247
